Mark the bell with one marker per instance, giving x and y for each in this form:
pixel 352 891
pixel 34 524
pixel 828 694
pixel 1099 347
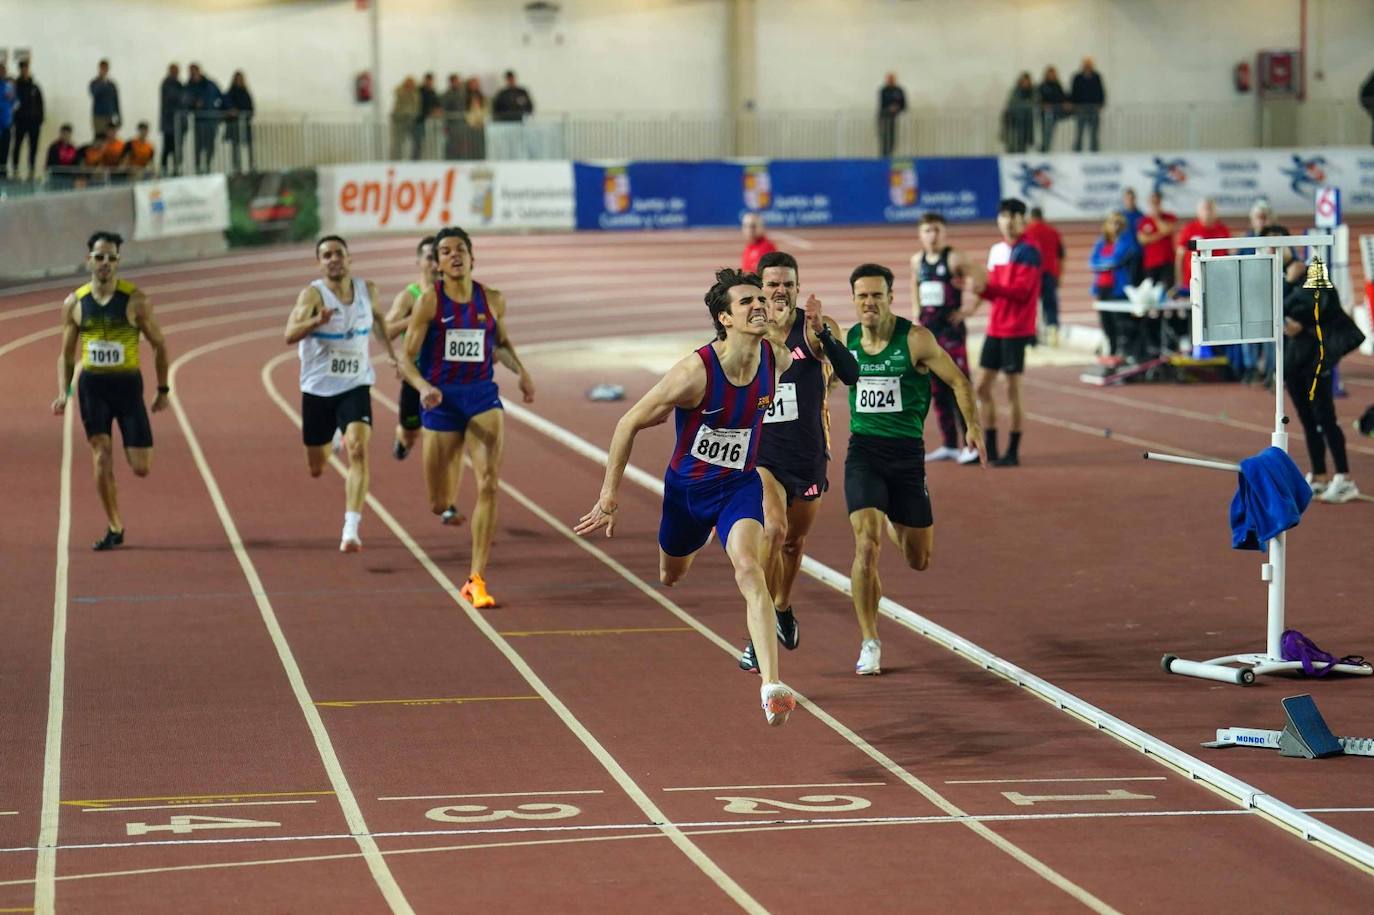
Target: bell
pixel 1317 277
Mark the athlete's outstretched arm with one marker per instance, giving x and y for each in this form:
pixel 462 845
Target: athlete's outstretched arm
pixel 926 350
pixel 505 348
pixel 826 332
pixel 683 386
pixel 380 329
pixel 398 318
pixel 308 314
pixel 66 358
pixel 142 311
pixel 420 317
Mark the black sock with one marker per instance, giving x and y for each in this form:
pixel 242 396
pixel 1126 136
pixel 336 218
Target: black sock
pixel 990 443
pixel 1015 445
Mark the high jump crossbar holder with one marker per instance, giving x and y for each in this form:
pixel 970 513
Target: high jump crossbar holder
pixel 1238 298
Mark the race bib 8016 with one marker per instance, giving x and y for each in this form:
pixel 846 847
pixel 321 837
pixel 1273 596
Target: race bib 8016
pixel 722 447
pixel 465 344
pixel 783 409
pixel 878 394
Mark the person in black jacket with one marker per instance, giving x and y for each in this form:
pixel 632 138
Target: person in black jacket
pixel 1087 96
pixel 1367 99
pixel 172 120
pixel 238 120
pixel 1307 359
pixel 891 103
pixel 512 103
pixel 1053 106
pixel 28 116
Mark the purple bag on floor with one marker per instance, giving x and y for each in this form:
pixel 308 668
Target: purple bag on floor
pixel 1297 647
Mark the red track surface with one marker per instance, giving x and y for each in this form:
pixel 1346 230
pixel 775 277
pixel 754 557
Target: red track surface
pixel 601 698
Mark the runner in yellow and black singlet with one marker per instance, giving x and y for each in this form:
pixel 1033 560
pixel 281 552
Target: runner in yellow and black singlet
pixel 101 325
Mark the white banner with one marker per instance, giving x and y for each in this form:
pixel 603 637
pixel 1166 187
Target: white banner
pixel 180 206
pixel 1082 186
pixel 418 196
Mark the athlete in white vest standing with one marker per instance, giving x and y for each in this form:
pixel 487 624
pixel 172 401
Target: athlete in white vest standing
pixel 331 321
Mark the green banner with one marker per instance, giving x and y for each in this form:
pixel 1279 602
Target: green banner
pixel 270 207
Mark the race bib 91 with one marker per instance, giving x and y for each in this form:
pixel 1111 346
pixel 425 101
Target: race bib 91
pixel 722 447
pixel 783 409
pixel 465 344
pixel 346 363
pixel 931 293
pixel 104 353
pixel 878 394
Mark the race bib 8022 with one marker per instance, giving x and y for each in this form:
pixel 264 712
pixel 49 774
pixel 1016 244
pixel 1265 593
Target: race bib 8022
pixel 465 344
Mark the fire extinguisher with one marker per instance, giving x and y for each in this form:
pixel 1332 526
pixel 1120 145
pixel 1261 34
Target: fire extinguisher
pixel 1242 76
pixel 362 87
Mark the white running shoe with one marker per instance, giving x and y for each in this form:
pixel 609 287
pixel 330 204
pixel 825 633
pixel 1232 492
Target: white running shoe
pixel 778 703
pixel 350 543
pixel 968 456
pixel 943 453
pixel 1341 489
pixel 1318 486
pixel 870 658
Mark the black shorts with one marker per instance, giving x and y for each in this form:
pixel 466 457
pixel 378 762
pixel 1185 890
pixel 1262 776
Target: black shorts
pixel 1005 354
pixel 320 416
pixel 409 404
pixel 888 474
pixel 807 486
pixel 107 398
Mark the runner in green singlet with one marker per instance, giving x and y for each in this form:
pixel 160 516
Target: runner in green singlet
pixel 884 472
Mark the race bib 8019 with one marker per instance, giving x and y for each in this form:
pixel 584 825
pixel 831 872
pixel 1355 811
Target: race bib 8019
pixel 345 363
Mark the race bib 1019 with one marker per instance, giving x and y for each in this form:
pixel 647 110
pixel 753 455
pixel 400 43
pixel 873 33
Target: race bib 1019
pixel 104 354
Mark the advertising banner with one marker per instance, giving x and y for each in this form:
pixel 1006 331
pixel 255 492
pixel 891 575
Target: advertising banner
pixel 180 206
pixel 786 193
pixel 270 207
pixel 1071 186
pixel 415 196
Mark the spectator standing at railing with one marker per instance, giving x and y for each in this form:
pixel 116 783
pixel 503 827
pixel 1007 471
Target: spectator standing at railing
pixel 171 119
pixel 104 100
pixel 512 103
pixel 138 153
pixel 429 109
pixel 1018 118
pixel 455 103
pixel 1054 104
pixel 1046 239
pixel 205 101
pixel 60 162
pixel 238 120
pixel 405 108
pixel 28 117
pixel 1087 95
pixel 475 143
pixel 891 103
pixel 6 118
pixel 1367 99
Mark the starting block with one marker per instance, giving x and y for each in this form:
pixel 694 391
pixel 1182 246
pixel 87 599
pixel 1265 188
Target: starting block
pixel 1305 734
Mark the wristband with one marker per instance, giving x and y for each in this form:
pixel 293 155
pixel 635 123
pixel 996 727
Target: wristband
pixel 163 389
pixel 824 331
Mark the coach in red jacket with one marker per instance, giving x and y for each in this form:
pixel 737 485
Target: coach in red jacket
pixel 1012 291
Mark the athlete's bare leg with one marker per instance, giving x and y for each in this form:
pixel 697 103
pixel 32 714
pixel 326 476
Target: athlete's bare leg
pixel 868 525
pixel 102 463
pixel 357 437
pixel 916 543
pixel 743 547
pixel 407 437
pixel 485 437
pixel 987 407
pixel 800 517
pixel 316 457
pixel 1014 398
pixel 140 460
pixel 672 569
pixel 774 529
pixel 441 451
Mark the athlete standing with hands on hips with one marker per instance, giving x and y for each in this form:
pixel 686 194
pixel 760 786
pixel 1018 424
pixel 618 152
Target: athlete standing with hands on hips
pixel 455 331
pixel 104 318
pixel 720 395
pixel 330 323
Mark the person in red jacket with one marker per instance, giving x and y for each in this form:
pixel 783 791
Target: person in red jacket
pixel 1206 225
pixel 1011 289
pixel 1050 244
pixel 756 243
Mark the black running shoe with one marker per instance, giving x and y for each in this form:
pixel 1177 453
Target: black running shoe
pixel 788 633
pixel 111 540
pixel 1006 460
pixel 399 450
pixel 749 662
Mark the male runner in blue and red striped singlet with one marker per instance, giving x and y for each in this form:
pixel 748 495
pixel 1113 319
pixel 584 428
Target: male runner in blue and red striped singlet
pixel 720 394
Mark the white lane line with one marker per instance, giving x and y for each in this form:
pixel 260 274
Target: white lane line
pixel 766 787
pixel 1029 861
pixel 196 806
pixel 9 813
pixel 1025 781
pixel 45 889
pixel 1341 844
pixel 353 815
pixel 796 241
pixel 219 319
pixel 447 797
pixel 707 865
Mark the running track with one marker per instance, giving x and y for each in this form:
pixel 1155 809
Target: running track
pixel 228 715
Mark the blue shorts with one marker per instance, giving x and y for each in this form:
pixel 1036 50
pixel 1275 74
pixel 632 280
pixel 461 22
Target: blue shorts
pixel 689 514
pixel 460 404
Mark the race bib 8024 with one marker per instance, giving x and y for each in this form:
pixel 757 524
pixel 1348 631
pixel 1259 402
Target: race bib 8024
pixel 465 344
pixel 878 394
pixel 722 447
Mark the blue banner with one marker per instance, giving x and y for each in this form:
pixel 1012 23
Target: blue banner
pixel 676 195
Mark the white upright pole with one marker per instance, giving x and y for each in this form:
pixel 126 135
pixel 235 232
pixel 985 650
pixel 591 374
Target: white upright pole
pixel 1277 571
pixel 374 22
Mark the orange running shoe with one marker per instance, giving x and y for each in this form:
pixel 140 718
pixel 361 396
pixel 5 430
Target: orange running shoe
pixel 474 591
